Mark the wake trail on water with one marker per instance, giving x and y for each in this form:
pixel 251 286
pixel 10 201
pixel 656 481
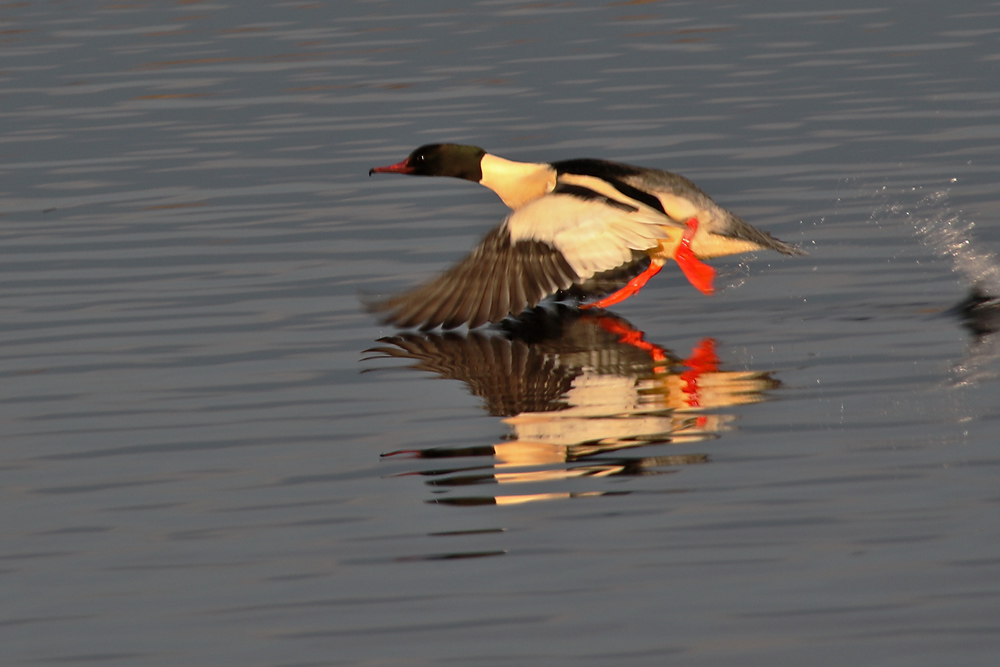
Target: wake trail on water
pixel 944 230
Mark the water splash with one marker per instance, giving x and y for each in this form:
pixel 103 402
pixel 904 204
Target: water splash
pixel 943 229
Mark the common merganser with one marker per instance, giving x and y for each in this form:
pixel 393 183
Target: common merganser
pixel 575 224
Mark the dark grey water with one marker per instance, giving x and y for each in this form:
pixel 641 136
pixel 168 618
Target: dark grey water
pixel 798 470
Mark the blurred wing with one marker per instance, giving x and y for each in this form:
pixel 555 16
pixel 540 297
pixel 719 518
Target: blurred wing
pixel 498 278
pixel 550 244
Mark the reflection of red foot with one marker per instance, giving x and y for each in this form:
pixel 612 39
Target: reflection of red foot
pixel 631 288
pixel 696 271
pixel 626 334
pixel 702 360
pixel 703 357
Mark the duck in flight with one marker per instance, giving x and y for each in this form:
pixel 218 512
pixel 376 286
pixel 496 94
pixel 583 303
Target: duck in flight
pixel 575 226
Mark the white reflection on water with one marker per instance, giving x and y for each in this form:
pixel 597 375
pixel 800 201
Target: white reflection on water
pixel 578 391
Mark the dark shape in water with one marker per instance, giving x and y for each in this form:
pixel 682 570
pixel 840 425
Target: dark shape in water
pixel 578 390
pixel 979 312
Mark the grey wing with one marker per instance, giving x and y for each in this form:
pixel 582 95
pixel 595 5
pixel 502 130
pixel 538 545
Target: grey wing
pixel 498 278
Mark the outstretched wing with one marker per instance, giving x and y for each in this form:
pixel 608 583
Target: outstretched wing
pixel 497 278
pixel 551 244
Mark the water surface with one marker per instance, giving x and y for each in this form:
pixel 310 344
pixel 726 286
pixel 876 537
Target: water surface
pixel 193 430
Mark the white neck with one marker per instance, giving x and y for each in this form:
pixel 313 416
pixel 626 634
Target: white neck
pixel 517 183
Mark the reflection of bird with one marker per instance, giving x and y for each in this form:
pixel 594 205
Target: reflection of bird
pixel 575 224
pixel 531 363
pixel 574 385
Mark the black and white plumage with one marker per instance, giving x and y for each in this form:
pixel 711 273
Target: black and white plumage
pixel 549 245
pixel 573 222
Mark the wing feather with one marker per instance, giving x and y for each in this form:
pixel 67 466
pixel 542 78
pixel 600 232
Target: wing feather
pixel 546 246
pixel 498 278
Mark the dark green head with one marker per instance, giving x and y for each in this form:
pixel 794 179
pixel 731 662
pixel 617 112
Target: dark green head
pixel 453 160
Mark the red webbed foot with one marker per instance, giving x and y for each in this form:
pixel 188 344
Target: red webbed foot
pixel 696 271
pixel 631 288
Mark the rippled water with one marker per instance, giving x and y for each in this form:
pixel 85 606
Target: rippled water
pixel 213 455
